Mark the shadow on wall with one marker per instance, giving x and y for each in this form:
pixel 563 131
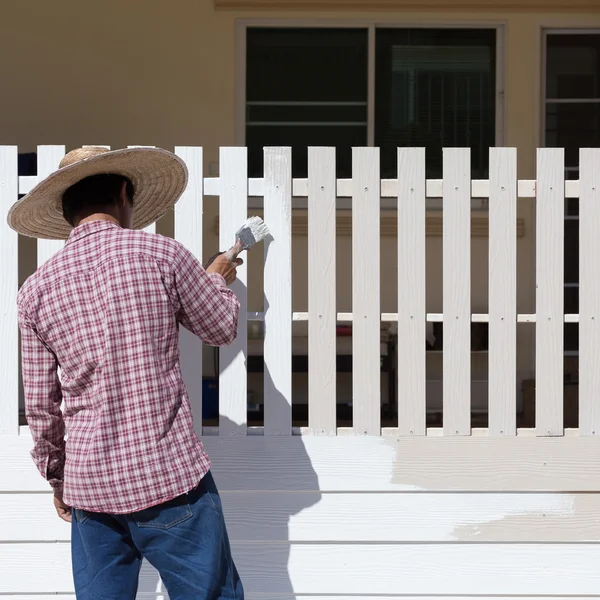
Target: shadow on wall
pixel 251 473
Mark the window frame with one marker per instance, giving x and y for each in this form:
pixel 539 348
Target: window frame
pixel 546 32
pixel 242 25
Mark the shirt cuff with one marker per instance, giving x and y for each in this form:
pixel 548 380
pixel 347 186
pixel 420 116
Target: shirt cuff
pixel 218 280
pixel 57 486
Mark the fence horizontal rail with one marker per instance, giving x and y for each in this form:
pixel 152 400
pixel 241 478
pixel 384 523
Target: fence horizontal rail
pixel 434 188
pixel 345 317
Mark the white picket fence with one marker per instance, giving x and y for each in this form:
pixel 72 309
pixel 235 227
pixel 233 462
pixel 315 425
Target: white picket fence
pixel 411 190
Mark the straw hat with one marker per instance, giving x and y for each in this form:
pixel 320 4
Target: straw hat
pixel 159 178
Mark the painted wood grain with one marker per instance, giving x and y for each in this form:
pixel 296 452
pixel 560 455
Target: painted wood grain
pixel 48 159
pixel 9 267
pixel 233 211
pixel 385 464
pixel 359 517
pixel 411 292
pixel 321 291
pixel 366 374
pixel 502 354
pixel 278 569
pixel 589 292
pixel 278 292
pixel 188 231
pixel 549 341
pixel 457 291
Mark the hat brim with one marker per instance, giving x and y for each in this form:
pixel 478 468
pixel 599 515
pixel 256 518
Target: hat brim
pixel 159 178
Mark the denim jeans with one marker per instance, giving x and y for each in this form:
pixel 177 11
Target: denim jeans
pixel 185 539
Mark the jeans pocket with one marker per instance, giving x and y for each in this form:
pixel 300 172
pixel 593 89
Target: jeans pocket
pixel 81 516
pixel 164 516
pixel 209 491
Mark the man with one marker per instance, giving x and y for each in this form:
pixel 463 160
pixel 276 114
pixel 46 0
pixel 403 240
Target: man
pixel 132 476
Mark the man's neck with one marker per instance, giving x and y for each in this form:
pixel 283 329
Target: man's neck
pixel 99 217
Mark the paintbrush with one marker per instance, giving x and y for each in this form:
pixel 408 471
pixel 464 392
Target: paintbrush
pixel 248 235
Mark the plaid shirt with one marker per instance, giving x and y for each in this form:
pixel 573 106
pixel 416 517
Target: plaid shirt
pixel 106 310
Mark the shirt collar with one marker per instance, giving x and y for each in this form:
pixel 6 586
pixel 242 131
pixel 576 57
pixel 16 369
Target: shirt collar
pixel 89 228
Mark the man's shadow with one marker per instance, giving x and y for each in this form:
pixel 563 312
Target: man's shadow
pixel 264 483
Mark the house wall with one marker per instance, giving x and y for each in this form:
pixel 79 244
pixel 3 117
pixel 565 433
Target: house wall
pixel 354 517
pixel 359 517
pixel 151 72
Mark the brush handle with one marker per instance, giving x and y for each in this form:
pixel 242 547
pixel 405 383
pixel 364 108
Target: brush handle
pixel 234 251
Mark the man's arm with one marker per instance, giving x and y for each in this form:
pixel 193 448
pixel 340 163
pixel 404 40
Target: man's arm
pixel 208 308
pixel 43 396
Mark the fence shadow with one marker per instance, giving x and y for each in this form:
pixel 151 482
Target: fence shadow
pixel 259 501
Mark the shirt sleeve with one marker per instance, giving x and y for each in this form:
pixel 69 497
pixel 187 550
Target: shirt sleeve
pixel 43 397
pixel 207 307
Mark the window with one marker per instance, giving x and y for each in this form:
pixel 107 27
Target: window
pixel 572 121
pixel 310 87
pixel 306 87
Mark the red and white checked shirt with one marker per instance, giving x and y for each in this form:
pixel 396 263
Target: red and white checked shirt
pixel 106 310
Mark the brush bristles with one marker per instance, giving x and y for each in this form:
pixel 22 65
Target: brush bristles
pixel 255 226
pixel 253 231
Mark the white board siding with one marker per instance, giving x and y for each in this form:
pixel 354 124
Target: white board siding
pixel 359 518
pixel 549 341
pixel 9 367
pixel 589 292
pixel 457 291
pixel 321 291
pixel 366 370
pixel 233 381
pixel 502 354
pixel 460 569
pixel 411 292
pixel 48 160
pixel 188 231
pixel 278 292
pixel 372 464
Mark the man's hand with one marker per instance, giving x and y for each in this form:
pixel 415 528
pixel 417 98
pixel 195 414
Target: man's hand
pixel 62 510
pixel 223 266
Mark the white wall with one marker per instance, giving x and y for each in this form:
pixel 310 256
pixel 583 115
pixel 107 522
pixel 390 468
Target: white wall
pixel 359 517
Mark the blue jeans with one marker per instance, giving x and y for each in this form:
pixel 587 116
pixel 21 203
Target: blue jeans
pixel 184 539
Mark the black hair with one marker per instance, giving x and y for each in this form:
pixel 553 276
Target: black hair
pixel 94 193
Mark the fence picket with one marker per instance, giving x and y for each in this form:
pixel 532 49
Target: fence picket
pixel 9 367
pixel 365 188
pixel 321 292
pixel 233 208
pixel 411 292
pixel 188 231
pixel 366 328
pixel 502 403
pixel 278 292
pixel 457 291
pixel 549 368
pixel 589 292
pixel 48 159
